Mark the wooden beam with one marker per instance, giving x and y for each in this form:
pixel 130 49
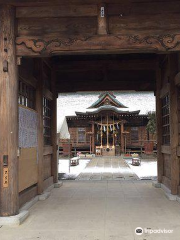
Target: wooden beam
pixel 64 27
pixel 9 194
pixel 93 138
pixel 174 124
pixel 115 5
pixel 45 46
pixel 135 64
pixel 102 19
pixel 122 137
pixel 165 90
pixel 177 79
pixel 55 157
pixel 160 160
pixel 39 108
pixel 54 11
pixel 100 86
pixel 48 94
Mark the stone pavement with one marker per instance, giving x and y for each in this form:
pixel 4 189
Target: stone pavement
pixel 99 210
pixel 107 168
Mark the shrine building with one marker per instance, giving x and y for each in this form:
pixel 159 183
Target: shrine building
pixel 108 128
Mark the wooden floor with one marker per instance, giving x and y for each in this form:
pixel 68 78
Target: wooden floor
pixel 107 168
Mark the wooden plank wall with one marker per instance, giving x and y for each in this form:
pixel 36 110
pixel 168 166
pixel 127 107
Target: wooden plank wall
pixel 29 187
pixel 170 156
pixel 74 137
pixel 65 21
pixel 28 167
pixel 145 18
pixel 71 20
pixel 166 178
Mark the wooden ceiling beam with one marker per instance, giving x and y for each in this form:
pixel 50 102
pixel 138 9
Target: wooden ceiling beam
pixel 65 2
pixel 137 64
pixel 111 76
pixel 112 86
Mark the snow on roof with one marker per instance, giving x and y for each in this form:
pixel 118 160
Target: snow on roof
pixel 64 132
pixel 103 96
pixel 69 103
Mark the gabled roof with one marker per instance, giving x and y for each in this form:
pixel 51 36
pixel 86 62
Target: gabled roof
pixel 107 98
pixel 107 108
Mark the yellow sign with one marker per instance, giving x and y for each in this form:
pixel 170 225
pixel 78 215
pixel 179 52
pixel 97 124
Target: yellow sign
pixel 5 177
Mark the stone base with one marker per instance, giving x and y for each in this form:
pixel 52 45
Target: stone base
pixel 58 185
pixel 166 190
pixel 24 213
pixel 14 220
pixel 156 184
pixel 171 197
pixel 168 194
pixel 178 199
pixel 30 204
pixel 44 196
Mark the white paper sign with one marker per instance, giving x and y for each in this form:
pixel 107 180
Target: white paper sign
pixel 27 128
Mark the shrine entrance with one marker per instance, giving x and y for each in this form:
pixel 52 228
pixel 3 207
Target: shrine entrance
pixel 50 47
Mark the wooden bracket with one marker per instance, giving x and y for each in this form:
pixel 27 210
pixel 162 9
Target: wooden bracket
pixel 164 90
pixel 177 79
pixel 19 61
pixel 178 151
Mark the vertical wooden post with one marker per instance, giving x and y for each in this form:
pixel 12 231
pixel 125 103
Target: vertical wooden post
pixel 54 128
pixel 93 138
pixel 39 108
pixel 9 194
pixel 122 137
pixel 90 144
pixel 174 133
pixel 102 19
pixel 107 132
pixel 160 163
pixel 101 133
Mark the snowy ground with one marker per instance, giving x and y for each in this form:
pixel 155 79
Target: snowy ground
pixel 74 171
pixel 147 170
pixel 114 168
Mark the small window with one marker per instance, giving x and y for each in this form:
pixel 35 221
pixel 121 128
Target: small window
pixel 81 135
pixel 165 121
pixel 134 134
pixel 47 111
pixel 27 95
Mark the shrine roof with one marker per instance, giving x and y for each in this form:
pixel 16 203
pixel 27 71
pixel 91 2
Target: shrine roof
pixel 108 108
pixel 107 98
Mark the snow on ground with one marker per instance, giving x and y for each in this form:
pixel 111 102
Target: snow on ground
pixel 74 170
pixel 148 168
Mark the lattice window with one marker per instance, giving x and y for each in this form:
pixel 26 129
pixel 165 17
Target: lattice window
pixel 81 135
pixel 47 113
pixel 27 95
pixel 165 121
pixel 134 134
pixel 47 76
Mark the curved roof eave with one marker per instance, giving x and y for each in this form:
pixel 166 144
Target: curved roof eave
pixel 109 108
